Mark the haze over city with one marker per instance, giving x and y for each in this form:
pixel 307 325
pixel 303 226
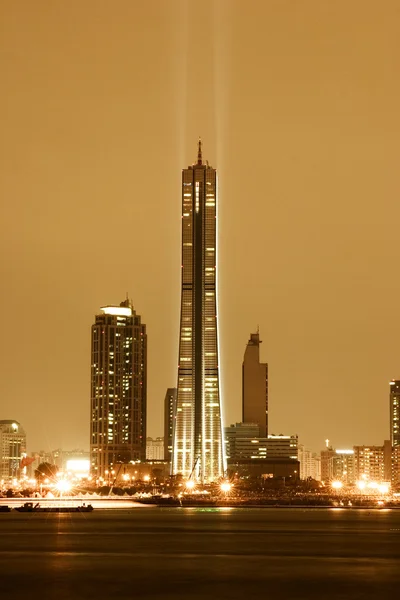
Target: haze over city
pixel 297 108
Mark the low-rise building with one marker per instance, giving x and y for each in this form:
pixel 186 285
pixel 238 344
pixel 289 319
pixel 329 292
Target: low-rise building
pixel 243 442
pixel 250 455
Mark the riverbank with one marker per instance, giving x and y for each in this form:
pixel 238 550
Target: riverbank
pixel 314 503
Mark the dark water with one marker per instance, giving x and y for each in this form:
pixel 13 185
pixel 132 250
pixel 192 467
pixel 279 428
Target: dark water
pixel 178 553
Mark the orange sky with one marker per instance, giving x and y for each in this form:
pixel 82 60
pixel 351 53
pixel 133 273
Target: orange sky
pixel 297 102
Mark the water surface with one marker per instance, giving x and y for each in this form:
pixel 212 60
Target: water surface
pixel 175 553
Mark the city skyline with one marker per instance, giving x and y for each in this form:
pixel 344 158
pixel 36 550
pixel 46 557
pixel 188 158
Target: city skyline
pixel 298 110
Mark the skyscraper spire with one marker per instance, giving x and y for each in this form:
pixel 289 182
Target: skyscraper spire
pixel 199 154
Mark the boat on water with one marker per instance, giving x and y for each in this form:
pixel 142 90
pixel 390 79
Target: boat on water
pixel 30 507
pixel 5 509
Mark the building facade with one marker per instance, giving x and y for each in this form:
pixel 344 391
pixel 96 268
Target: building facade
pixel 310 463
pixel 327 457
pixel 198 436
pixel 395 412
pixel 118 388
pixel 343 466
pixel 338 465
pixel 361 463
pixel 155 448
pixel 395 468
pixel 244 442
pixel 12 449
pixel 373 463
pixel 255 386
pixel 169 420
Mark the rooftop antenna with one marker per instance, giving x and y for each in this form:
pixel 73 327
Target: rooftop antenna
pixel 199 154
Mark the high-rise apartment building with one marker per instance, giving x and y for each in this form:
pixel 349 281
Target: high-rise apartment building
pixel 169 419
pixel 343 466
pixel 395 412
pixel 395 468
pixel 12 448
pixel 155 448
pixel 255 386
pixel 118 388
pixel 198 447
pixel 327 471
pixel 373 463
pixel 338 465
pixel 310 463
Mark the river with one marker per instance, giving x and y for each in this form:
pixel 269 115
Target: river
pixel 188 553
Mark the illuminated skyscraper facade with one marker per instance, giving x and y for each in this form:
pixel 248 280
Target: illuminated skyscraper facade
pixel 395 412
pixel 118 389
pixel 198 447
pixel 169 420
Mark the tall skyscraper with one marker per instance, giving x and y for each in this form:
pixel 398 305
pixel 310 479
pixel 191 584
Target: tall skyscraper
pixel 169 418
pixel 255 386
pixel 198 447
pixel 395 412
pixel 118 388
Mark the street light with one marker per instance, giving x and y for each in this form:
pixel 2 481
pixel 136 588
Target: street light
pixel 226 486
pixel 337 485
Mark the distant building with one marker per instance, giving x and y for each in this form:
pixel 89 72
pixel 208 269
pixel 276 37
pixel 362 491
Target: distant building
pixel 76 462
pixel 337 465
pixel 118 388
pixel 369 463
pixel 327 456
pixel 169 419
pixel 395 474
pixel 12 449
pixel 282 446
pixel 343 466
pixel 387 458
pixel 310 463
pixel 238 434
pixel 243 442
pixel 255 386
pixel 373 462
pixel 155 448
pixel 395 412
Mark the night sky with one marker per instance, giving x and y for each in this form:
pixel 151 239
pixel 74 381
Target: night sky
pixel 297 103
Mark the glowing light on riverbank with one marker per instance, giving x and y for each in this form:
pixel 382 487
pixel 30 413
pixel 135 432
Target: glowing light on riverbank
pixel 226 486
pixel 337 485
pixel 63 485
